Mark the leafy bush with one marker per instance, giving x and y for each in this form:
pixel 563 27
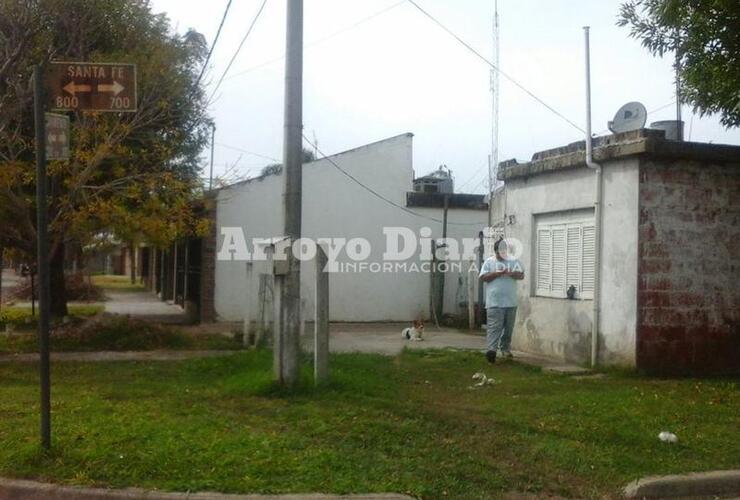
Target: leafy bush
pixel 78 287
pixel 15 315
pixel 21 316
pixel 119 333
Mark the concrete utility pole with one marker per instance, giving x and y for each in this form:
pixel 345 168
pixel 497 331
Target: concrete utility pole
pixel 290 303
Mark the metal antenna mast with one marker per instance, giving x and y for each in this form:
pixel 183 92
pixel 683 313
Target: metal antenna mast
pixel 495 93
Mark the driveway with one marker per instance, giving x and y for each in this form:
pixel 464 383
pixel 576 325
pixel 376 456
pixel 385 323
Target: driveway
pixel 385 338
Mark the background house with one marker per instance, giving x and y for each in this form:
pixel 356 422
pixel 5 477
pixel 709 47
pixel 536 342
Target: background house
pixel 670 262
pixel 354 194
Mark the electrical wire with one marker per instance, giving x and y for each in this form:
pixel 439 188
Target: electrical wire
pixel 472 177
pixel 213 46
pixel 494 67
pixel 320 40
pixel 380 196
pixel 238 49
pixel 241 150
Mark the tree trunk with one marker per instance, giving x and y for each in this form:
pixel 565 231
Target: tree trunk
pixel 2 266
pixel 58 304
pixel 132 261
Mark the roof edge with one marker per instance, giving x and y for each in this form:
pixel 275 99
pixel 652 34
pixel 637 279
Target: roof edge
pixel 642 142
pixel 352 150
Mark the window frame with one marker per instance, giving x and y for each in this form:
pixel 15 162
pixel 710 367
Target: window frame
pixel 580 222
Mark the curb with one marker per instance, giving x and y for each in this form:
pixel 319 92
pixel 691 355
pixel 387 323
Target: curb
pixel 12 489
pixel 699 484
pixel 106 356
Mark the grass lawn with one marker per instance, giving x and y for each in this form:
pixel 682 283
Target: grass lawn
pixel 407 424
pixel 116 283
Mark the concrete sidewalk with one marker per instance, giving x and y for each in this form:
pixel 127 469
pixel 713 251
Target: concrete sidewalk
pixel 713 484
pixel 385 338
pixel 144 305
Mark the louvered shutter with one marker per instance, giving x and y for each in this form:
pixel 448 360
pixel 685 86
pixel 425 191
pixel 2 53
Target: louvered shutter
pixel 544 246
pixel 557 287
pixel 588 260
pixel 573 271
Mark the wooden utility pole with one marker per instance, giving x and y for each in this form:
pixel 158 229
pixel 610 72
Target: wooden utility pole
pixel 290 303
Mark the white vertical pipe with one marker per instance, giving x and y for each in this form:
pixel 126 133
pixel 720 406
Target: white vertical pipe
pixel 597 208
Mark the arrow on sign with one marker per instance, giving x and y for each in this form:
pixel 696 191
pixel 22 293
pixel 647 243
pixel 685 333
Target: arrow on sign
pixel 72 88
pixel 116 87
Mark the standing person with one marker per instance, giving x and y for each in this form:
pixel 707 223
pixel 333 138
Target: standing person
pixel 500 274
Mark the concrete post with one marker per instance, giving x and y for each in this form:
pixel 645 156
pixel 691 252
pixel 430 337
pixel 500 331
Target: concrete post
pixel 174 274
pixel 472 292
pixel 277 329
pixel 248 309
pixel 269 286
pixel 321 321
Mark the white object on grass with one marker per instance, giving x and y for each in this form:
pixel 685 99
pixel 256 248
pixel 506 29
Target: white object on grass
pixel 483 379
pixel 668 437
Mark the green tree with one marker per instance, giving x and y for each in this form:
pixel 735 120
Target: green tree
pixel 705 34
pixel 120 162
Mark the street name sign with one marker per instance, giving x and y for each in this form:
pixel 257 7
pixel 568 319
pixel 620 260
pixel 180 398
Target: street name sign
pixel 57 137
pixel 86 86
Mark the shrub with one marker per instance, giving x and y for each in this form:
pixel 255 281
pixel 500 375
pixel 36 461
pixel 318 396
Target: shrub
pixel 118 333
pixel 78 287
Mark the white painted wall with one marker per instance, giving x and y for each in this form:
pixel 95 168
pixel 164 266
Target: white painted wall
pixel 336 206
pixel 562 327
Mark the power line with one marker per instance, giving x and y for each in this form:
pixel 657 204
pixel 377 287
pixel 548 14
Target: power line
pixel 380 196
pixel 213 46
pixel 241 150
pixel 320 40
pixel 484 59
pixel 238 49
pixel 472 177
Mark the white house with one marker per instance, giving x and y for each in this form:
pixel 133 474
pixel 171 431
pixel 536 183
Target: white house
pixel 669 264
pixel 354 194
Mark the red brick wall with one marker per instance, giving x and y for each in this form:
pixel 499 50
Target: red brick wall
pixel 689 268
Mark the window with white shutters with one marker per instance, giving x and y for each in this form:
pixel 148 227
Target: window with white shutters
pixel 565 249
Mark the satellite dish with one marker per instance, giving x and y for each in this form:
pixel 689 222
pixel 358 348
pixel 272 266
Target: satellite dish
pixel 631 116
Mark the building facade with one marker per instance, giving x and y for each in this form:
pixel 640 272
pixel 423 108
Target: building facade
pixel 670 259
pixel 357 194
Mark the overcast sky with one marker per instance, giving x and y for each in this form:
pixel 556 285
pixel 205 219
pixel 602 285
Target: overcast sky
pixel 398 72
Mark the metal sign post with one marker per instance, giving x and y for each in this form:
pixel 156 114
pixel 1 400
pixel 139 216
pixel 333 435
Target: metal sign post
pixel 66 86
pixel 42 246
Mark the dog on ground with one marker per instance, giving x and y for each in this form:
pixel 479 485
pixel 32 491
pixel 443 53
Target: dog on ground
pixel 414 332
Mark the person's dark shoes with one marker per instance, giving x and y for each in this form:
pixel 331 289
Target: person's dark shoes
pixel 507 355
pixel 491 356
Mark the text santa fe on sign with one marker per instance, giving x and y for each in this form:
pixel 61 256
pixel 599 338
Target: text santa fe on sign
pixel 84 86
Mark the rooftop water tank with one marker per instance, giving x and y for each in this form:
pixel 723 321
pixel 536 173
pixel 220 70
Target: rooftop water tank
pixel 439 181
pixel 672 128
